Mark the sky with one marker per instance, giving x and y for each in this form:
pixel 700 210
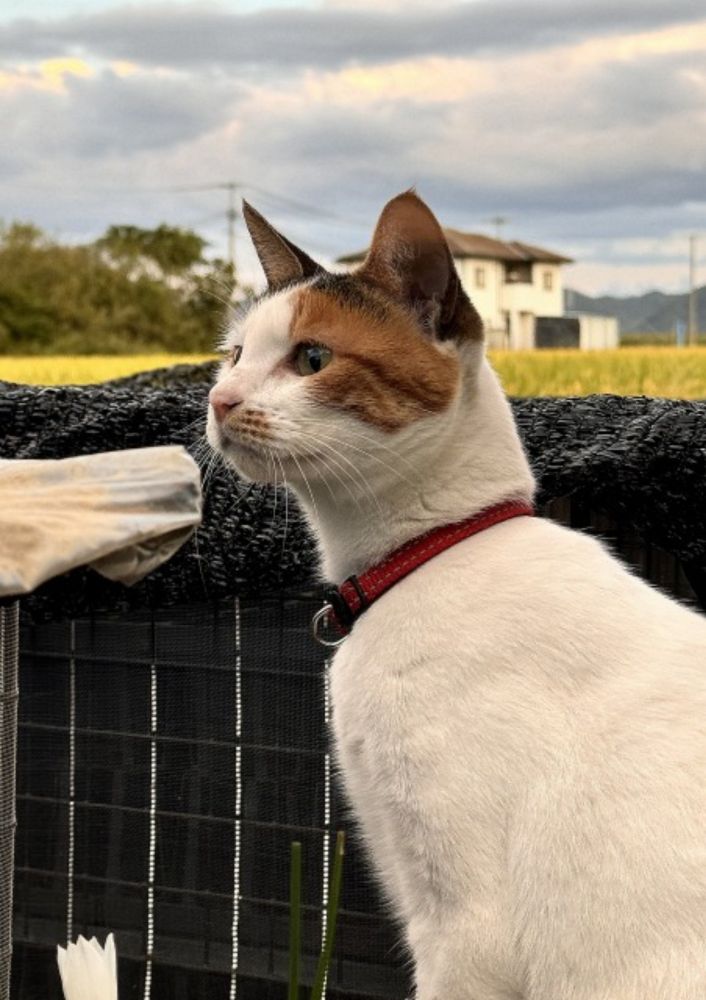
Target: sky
pixel 581 122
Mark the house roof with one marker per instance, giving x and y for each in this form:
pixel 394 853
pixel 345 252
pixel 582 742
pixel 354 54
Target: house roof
pixel 477 245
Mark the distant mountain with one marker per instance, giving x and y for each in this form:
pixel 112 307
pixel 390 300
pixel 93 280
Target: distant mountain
pixel 653 312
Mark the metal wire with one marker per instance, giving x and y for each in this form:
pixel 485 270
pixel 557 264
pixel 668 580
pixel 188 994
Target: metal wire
pixel 9 645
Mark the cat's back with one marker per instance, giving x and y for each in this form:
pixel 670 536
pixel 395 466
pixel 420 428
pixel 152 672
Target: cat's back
pixel 535 635
pixel 536 712
pixel 533 591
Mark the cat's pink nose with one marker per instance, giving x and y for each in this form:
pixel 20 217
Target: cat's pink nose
pixel 224 398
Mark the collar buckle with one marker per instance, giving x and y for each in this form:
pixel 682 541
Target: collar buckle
pixel 319 622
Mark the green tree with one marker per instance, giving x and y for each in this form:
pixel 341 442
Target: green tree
pixel 95 299
pixel 175 251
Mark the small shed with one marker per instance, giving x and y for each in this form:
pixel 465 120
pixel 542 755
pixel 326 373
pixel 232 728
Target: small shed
pixel 584 331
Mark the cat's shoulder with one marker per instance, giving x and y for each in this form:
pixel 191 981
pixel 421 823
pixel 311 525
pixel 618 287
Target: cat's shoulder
pixel 528 580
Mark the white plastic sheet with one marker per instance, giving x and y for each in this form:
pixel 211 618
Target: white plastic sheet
pixel 123 513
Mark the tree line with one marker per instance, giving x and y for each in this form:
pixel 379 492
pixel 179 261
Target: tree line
pixel 133 291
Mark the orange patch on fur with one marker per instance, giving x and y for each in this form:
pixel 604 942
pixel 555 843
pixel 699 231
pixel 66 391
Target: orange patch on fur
pixel 383 369
pixel 250 425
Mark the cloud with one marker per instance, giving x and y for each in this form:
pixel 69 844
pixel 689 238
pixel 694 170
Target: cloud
pixel 582 122
pixel 551 132
pixel 619 278
pixel 331 36
pixel 107 112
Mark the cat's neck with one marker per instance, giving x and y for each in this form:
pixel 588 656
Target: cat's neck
pixel 471 462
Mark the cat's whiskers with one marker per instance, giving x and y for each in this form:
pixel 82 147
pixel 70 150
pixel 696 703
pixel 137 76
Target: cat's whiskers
pixel 200 418
pixel 199 442
pixel 273 478
pixel 209 461
pixel 197 547
pixel 207 476
pixel 306 482
pixel 350 431
pixel 286 503
pixel 201 452
pixel 335 445
pixel 316 460
pixel 334 457
pixel 195 433
pixel 223 299
pixel 208 458
pixel 339 444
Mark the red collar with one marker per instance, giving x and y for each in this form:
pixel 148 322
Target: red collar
pixel 346 603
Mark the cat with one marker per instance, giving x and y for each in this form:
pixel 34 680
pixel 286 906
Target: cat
pixel 520 723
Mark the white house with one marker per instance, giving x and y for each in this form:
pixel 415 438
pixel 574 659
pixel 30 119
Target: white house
pixel 511 284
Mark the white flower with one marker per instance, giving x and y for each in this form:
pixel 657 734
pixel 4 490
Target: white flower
pixel 88 970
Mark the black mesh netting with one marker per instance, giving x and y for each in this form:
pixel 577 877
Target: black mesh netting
pixel 172 737
pixel 640 460
pixel 167 760
pixel 9 655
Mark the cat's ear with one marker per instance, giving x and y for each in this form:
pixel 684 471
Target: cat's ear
pixel 281 260
pixel 410 258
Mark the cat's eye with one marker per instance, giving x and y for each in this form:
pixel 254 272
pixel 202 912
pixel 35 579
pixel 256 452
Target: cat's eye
pixel 235 354
pixel 311 358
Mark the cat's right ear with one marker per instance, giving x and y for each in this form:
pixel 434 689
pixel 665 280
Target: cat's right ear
pixel 410 259
pixel 282 261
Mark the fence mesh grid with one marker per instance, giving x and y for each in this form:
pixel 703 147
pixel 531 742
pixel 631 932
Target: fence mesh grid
pixel 9 638
pixel 167 761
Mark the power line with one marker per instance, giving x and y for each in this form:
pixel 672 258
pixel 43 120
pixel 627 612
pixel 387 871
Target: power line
pixel 693 329
pixel 302 206
pixel 204 220
pixel 232 188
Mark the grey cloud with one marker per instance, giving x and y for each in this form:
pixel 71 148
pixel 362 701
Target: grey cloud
pixel 628 134
pixel 127 114
pixel 343 137
pixel 614 148
pixel 653 87
pixel 194 35
pixel 616 93
pixel 603 185
pixel 109 115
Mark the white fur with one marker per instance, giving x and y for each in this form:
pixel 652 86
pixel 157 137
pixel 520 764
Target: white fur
pixel 520 723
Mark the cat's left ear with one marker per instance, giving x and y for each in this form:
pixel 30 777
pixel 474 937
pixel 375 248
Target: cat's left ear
pixel 281 260
pixel 410 258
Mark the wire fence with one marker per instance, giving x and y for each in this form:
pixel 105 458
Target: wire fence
pixel 167 759
pixel 173 737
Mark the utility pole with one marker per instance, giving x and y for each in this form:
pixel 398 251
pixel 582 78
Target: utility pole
pixel 499 221
pixel 231 188
pixel 693 335
pixel 231 216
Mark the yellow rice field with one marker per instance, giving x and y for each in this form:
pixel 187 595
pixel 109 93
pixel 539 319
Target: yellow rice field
pixel 650 371
pixel 67 369
pixel 676 372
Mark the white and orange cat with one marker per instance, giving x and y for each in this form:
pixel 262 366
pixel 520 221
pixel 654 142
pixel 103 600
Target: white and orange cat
pixel 520 723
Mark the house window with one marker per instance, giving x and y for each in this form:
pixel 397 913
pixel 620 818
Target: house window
pixel 518 272
pixel 548 281
pixel 480 277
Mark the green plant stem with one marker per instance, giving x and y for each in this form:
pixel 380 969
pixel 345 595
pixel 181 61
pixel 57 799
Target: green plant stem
pixel 334 896
pixel 295 918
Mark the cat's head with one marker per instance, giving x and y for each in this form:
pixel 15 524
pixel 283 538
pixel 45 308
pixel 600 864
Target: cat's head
pixel 328 368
